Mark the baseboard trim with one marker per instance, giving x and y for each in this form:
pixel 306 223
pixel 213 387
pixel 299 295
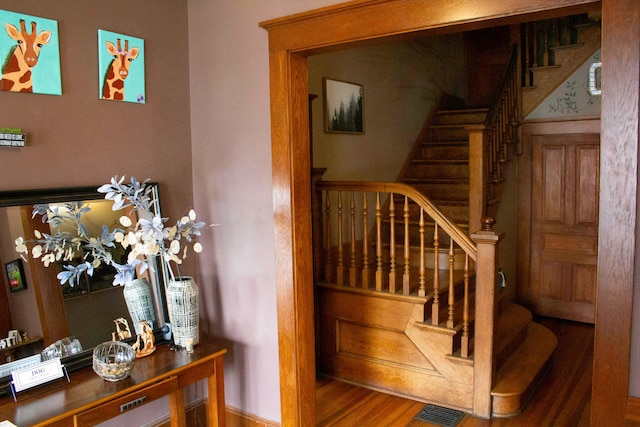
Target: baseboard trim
pixel 633 409
pixel 238 418
pixel 196 416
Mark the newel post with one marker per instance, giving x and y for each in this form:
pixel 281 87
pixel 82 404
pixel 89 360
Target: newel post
pixel 487 241
pixel 478 172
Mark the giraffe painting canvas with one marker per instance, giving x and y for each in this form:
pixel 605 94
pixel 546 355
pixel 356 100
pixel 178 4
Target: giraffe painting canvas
pixel 121 64
pixel 30 54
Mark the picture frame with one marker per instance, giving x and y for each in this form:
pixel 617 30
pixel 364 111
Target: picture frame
pixel 343 106
pixel 45 77
pixel 117 50
pixel 15 275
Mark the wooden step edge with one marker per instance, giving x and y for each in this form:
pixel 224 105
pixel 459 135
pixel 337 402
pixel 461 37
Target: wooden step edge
pixel 455 357
pixel 567 47
pixel 521 373
pixel 436 181
pixel 445 162
pixel 464 111
pixel 544 68
pixel 444 143
pixel 427 326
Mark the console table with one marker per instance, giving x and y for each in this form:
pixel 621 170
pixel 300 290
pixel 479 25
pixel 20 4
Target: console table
pixel 88 399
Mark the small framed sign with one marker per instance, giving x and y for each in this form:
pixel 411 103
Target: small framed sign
pixel 15 275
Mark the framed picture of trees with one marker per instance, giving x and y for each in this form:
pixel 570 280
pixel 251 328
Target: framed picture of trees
pixel 343 107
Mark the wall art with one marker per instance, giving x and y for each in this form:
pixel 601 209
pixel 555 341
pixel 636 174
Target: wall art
pixel 121 67
pixel 15 275
pixel 343 107
pixel 29 54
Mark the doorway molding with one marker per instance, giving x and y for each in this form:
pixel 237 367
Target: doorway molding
pixel 293 38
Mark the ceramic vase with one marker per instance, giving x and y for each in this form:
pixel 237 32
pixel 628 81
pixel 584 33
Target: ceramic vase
pixel 182 304
pixel 140 302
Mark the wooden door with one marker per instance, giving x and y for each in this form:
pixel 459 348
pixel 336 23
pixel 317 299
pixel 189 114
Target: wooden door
pixel 564 225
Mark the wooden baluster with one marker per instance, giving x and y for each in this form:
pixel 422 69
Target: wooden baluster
pixel 352 266
pixel 421 272
pixel 435 307
pixel 464 346
pixel 535 47
pixel 378 244
pixel 452 297
pixel 328 266
pixel 406 289
pixel 527 57
pixel 545 55
pixel 365 242
pixel 392 243
pixel 340 272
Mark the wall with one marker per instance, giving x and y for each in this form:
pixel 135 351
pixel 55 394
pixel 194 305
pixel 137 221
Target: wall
pixel 76 139
pixel 403 82
pixel 231 142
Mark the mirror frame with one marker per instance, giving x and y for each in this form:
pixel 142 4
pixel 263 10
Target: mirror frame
pixel 66 194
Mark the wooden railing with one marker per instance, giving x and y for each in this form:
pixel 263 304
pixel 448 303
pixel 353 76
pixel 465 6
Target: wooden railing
pixel 489 145
pixel 372 236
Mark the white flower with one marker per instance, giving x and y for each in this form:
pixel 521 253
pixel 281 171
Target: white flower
pixel 174 248
pixel 125 221
pixel 197 247
pixel 36 251
pixel 21 247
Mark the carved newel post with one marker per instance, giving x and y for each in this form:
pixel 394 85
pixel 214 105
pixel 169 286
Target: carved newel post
pixel 487 241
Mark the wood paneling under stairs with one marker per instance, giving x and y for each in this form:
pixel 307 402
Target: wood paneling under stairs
pixel 562 399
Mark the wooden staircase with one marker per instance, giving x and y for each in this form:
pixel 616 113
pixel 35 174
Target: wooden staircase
pixel 554 50
pixel 440 166
pixel 423 345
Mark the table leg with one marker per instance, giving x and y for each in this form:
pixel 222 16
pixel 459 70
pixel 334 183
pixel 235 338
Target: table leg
pixel 176 409
pixel 215 385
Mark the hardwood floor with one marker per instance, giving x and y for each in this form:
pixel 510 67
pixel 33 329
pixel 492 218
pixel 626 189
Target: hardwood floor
pixel 562 399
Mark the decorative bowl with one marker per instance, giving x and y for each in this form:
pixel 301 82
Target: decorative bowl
pixel 62 348
pixel 113 360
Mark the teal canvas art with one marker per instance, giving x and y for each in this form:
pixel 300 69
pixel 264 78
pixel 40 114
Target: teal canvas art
pixel 121 67
pixel 30 54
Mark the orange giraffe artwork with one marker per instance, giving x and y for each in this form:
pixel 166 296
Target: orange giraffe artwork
pixel 118 70
pixel 16 70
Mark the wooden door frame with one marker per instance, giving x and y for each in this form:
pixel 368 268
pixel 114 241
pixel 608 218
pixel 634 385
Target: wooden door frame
pixel 293 38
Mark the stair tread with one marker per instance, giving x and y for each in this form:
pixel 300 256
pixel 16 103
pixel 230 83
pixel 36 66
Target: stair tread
pixel 513 320
pixel 440 161
pixel 521 369
pixel 464 111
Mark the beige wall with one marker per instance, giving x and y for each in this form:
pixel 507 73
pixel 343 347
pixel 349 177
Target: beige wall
pixel 403 82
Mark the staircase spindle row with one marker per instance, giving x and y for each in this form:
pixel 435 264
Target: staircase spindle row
pixel 417 245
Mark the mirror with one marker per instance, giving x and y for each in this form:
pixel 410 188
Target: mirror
pixel 48 311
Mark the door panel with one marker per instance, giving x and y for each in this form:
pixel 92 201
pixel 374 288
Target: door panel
pixel 564 225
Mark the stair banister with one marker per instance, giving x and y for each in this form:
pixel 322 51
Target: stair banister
pixel 461 239
pixel 487 241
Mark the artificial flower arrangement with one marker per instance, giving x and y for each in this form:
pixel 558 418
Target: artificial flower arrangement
pixel 144 233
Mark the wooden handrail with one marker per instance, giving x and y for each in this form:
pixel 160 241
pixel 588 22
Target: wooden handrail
pixel 461 239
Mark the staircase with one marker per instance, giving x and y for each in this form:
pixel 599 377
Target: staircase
pixel 554 49
pixel 440 166
pixel 411 307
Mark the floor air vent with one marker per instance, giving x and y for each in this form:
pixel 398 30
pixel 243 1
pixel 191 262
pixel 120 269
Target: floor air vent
pixel 441 416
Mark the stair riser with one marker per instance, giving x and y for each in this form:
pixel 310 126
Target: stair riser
pixel 462 117
pixel 453 133
pixel 435 171
pixel 452 152
pixel 440 191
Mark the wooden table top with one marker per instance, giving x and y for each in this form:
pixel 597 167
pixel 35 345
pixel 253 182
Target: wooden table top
pixel 59 399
